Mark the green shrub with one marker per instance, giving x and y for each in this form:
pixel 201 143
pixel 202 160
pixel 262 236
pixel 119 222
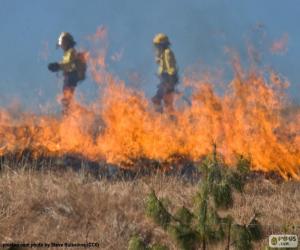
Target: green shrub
pixel 156 210
pixel 136 243
pixel 184 216
pixel 158 247
pixel 241 238
pixel 185 236
pixel 254 229
pixel 222 195
pixel 204 227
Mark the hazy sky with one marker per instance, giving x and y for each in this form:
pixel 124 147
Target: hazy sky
pixel 199 30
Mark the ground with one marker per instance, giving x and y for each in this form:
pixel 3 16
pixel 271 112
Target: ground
pixel 73 206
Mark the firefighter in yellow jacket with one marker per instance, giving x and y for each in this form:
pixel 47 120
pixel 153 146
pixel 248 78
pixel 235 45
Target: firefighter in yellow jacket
pixel 68 66
pixel 167 73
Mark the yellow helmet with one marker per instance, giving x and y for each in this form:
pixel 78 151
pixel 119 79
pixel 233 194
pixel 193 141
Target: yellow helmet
pixel 160 38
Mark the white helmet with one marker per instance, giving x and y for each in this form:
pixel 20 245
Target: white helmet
pixel 64 35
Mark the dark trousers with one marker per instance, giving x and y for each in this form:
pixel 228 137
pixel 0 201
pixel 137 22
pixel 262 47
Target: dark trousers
pixel 165 92
pixel 70 83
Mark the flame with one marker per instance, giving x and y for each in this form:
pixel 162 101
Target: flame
pixel 280 46
pixel 250 119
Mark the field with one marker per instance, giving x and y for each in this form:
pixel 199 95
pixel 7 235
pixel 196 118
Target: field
pixel 62 205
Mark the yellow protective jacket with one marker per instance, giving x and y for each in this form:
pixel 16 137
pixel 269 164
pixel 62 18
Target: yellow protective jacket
pixel 167 62
pixel 68 62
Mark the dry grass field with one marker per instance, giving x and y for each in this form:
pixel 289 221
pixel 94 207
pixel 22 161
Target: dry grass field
pixel 74 206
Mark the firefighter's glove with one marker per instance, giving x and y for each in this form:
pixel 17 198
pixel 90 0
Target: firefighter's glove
pixel 54 67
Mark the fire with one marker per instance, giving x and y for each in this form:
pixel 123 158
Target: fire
pixel 280 46
pixel 250 119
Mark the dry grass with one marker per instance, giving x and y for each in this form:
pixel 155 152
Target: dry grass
pixel 68 206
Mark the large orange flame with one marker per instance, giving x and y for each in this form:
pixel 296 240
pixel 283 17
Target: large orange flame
pixel 250 119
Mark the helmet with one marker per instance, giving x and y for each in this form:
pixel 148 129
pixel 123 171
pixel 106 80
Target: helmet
pixel 161 38
pixel 63 36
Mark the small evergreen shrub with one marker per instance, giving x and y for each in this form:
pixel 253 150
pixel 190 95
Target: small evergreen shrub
pixel 158 247
pixel 137 243
pixel 241 238
pixel 204 226
pixel 157 211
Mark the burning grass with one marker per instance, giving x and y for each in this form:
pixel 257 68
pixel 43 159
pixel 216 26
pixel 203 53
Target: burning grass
pixel 253 117
pixel 48 205
pixel 250 119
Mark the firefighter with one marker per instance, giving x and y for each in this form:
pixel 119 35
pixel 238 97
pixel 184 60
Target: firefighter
pixel 167 73
pixel 69 67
